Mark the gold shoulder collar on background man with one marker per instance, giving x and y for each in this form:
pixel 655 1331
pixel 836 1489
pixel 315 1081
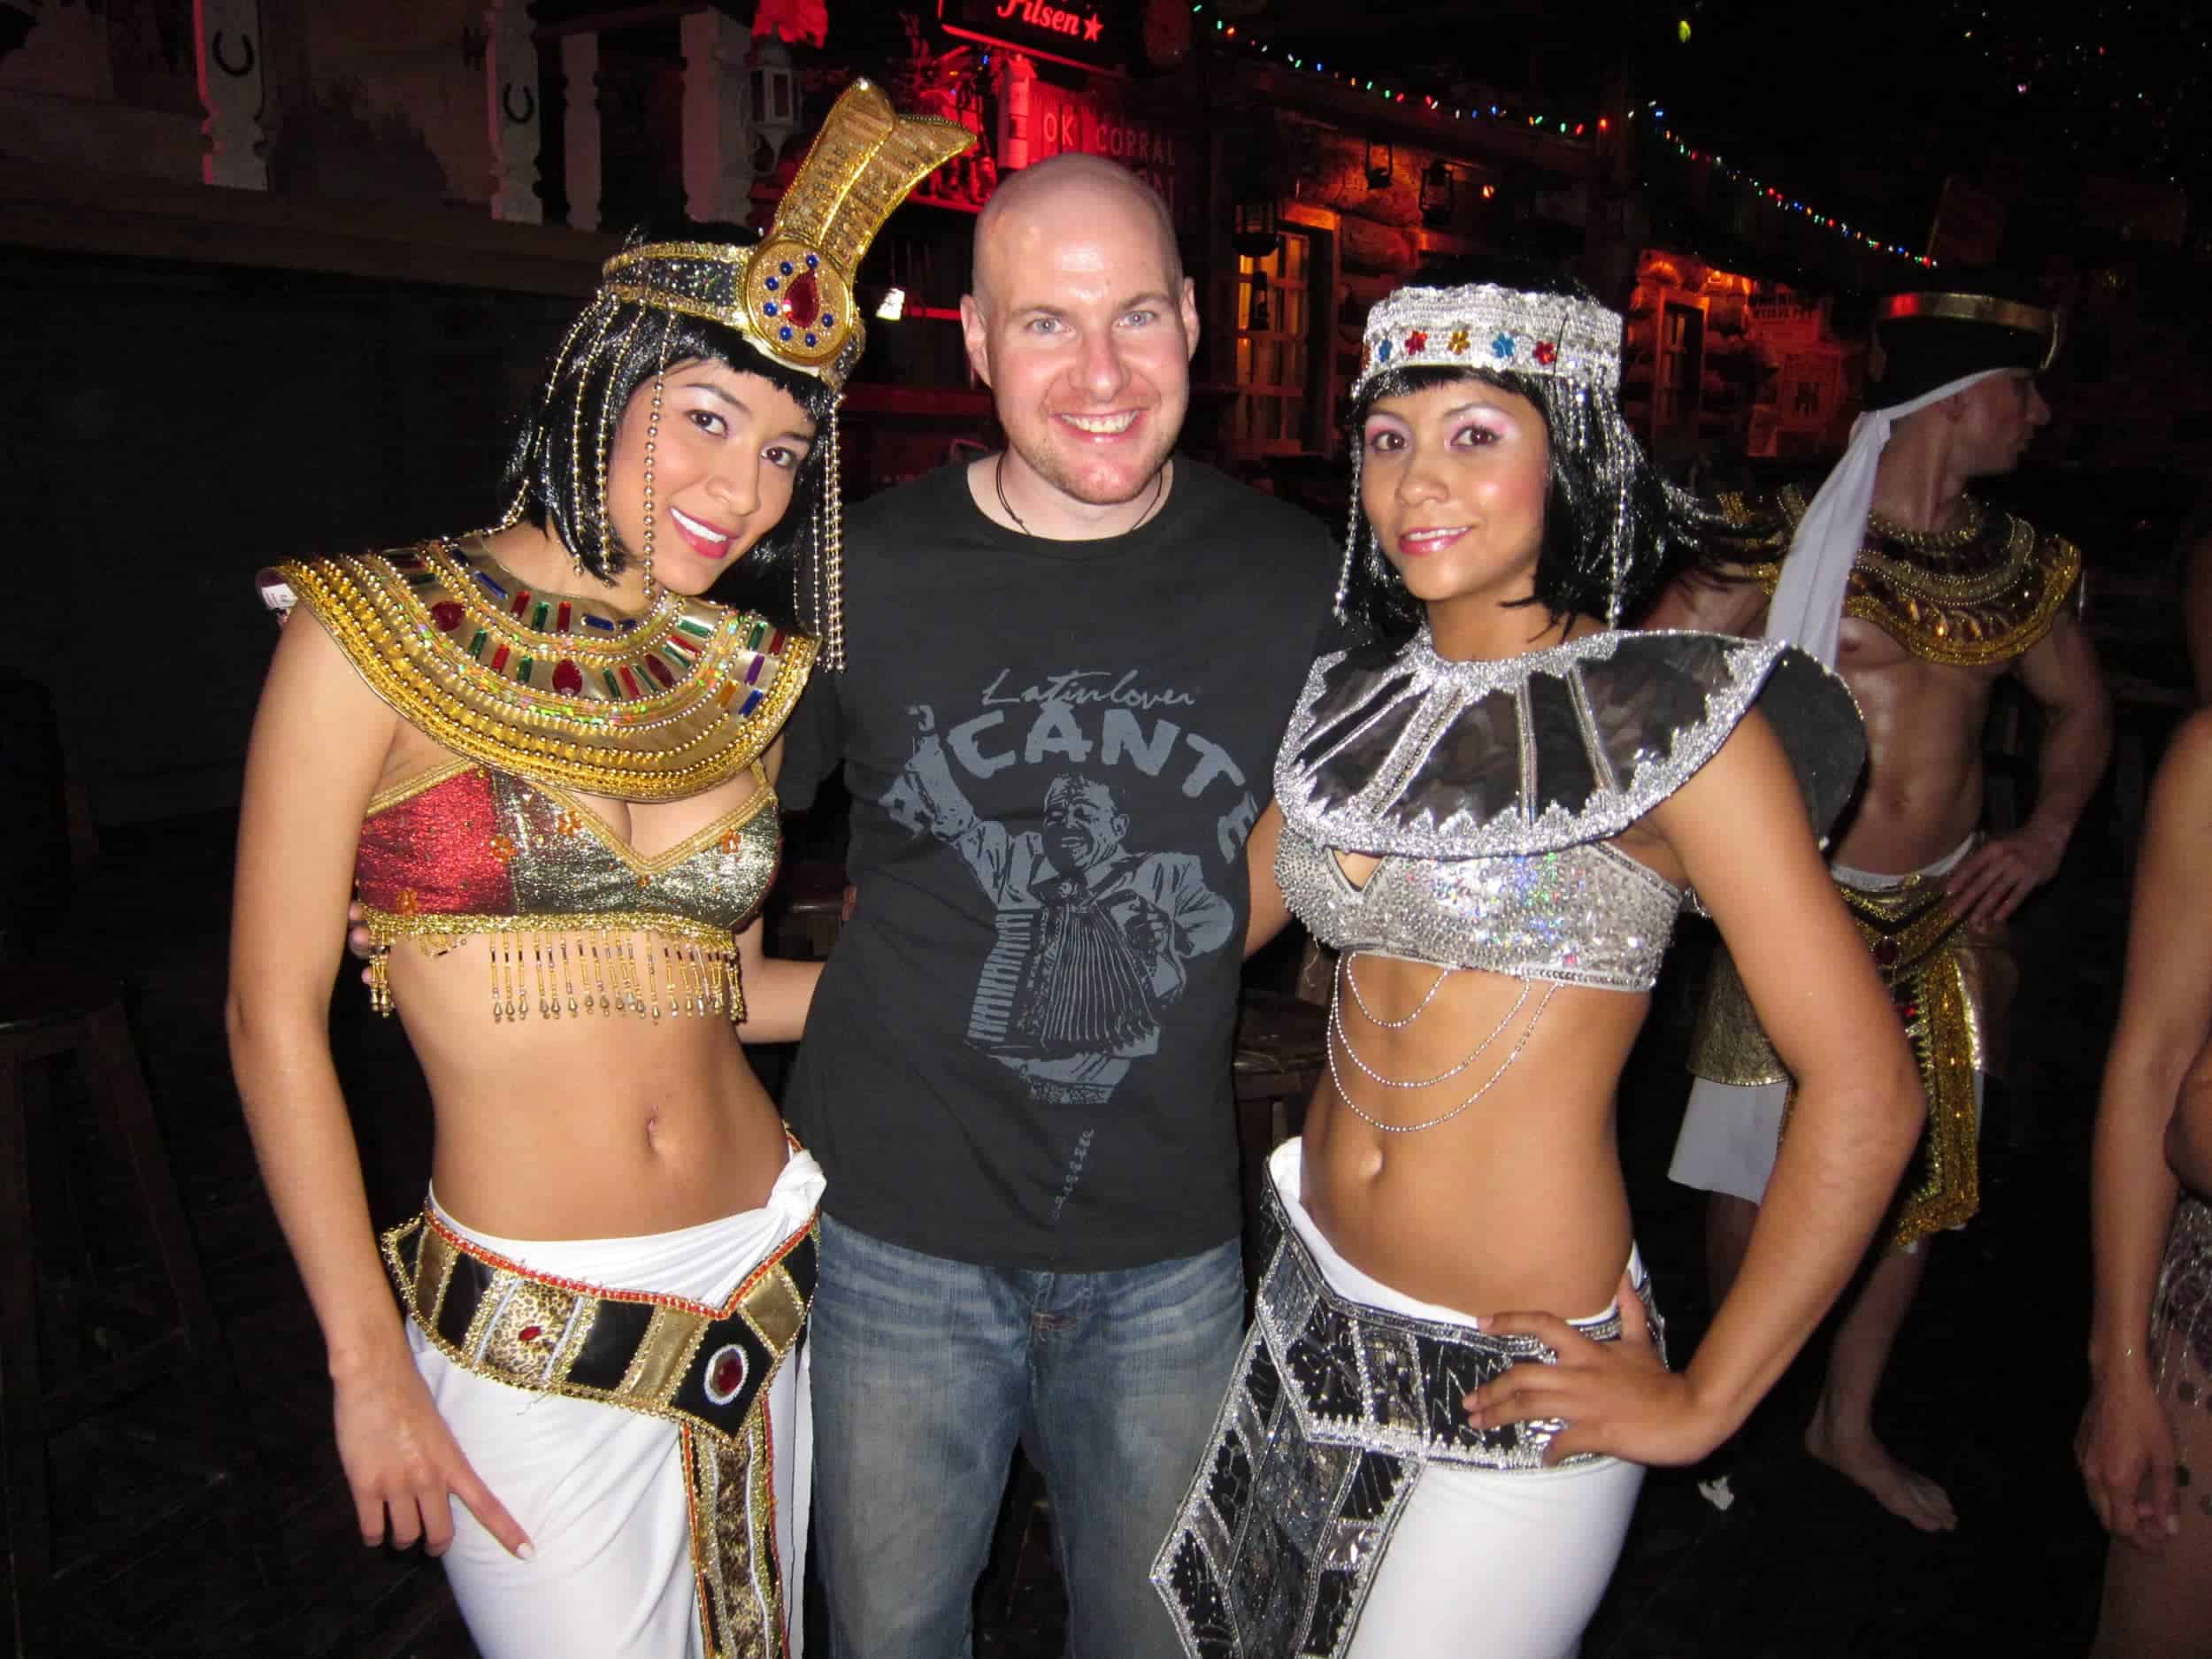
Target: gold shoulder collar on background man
pixel 1984 593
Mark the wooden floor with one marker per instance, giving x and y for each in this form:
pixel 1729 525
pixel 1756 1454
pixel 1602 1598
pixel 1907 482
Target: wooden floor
pixel 1988 1376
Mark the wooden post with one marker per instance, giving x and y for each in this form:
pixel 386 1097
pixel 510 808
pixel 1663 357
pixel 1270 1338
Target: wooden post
pixel 513 117
pixel 717 128
pixel 579 133
pixel 228 47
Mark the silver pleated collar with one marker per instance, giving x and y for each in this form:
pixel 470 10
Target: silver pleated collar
pixel 1405 752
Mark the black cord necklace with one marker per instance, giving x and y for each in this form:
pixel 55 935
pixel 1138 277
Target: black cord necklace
pixel 998 483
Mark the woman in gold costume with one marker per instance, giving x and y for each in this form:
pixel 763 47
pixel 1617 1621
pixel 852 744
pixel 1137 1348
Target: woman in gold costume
pixel 546 767
pixel 2145 1445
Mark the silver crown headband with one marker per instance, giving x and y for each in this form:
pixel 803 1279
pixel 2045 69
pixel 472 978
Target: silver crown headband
pixel 1481 326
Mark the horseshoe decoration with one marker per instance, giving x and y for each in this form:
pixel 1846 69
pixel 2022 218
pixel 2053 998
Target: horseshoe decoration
pixel 529 104
pixel 238 71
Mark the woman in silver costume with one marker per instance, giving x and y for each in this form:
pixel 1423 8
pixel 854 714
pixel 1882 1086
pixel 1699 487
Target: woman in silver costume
pixel 1494 816
pixel 2144 1444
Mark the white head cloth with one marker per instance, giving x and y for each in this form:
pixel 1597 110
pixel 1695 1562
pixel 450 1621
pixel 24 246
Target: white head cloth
pixel 1807 610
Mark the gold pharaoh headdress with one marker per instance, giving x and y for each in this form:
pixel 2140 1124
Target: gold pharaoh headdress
pixel 791 297
pixel 791 294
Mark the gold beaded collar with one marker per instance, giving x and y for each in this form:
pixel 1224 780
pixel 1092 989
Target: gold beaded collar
pixel 1968 532
pixel 554 687
pixel 1981 594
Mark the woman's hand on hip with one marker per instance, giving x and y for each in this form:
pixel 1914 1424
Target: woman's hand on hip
pixel 1615 1398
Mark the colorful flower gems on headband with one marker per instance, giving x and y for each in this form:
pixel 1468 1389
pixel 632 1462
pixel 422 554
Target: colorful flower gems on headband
pixel 1504 349
pixel 1481 326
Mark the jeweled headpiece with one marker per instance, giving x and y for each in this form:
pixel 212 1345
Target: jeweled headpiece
pixel 1483 329
pixel 789 296
pixel 1484 326
pixel 791 293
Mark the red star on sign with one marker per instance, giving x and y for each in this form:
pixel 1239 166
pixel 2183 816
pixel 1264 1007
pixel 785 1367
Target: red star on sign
pixel 1092 27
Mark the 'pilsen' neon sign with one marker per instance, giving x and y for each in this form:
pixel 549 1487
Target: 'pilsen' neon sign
pixel 1039 15
pixel 1091 34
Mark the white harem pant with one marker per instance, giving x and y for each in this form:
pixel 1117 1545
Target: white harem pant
pixel 599 1490
pixel 1484 1564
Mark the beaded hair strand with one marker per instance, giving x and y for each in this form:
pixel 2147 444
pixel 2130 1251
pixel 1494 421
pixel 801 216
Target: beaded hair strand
pixel 1353 522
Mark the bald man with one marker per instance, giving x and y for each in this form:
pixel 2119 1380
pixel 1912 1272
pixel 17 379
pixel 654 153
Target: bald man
pixel 1032 1221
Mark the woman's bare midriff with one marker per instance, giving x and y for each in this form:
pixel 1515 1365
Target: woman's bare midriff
pixel 1517 1205
pixel 593 1127
pixel 588 1126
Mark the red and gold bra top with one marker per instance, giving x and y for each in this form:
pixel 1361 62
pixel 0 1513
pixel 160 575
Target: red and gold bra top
pixel 542 697
pixel 574 921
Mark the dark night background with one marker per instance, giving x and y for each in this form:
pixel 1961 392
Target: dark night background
pixel 201 381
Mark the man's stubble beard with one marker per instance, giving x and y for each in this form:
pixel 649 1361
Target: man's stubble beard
pixel 1054 470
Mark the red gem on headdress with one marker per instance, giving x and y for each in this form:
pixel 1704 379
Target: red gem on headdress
pixel 530 1333
pixel 659 671
pixel 448 614
pixel 1546 353
pixel 802 301
pixel 1417 341
pixel 1885 953
pixel 567 679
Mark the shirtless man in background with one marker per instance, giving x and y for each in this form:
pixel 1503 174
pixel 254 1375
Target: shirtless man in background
pixel 1923 598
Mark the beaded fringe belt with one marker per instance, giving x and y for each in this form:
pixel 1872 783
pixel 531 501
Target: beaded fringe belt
pixel 1334 1410
pixel 705 1368
pixel 619 962
pixel 1912 932
pixel 1920 948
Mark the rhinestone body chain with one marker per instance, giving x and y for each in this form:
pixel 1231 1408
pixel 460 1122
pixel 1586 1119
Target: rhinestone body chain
pixel 1340 1038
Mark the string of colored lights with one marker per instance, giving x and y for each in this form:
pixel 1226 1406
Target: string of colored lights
pixel 1546 123
pixel 1551 125
pixel 1774 197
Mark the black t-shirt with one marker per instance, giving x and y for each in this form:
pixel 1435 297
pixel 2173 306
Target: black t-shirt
pixel 1020 1054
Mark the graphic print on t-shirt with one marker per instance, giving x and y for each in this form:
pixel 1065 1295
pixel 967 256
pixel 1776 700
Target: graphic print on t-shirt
pixel 1095 928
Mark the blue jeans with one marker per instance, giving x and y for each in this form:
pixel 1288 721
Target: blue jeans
pixel 926 1371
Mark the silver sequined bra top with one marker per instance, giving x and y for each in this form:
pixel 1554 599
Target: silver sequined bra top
pixel 1488 790
pixel 1588 915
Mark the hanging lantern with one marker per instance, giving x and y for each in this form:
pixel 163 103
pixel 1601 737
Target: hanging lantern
pixel 774 88
pixel 1380 173
pixel 1254 232
pixel 1437 195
